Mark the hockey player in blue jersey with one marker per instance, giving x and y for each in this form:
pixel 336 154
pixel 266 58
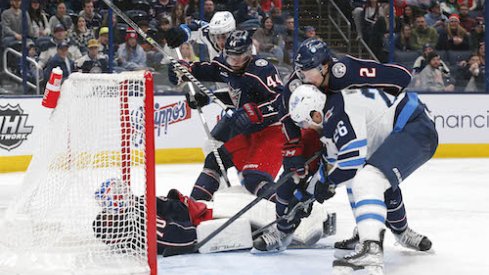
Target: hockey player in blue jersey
pixel 252 136
pixel 374 141
pixel 315 65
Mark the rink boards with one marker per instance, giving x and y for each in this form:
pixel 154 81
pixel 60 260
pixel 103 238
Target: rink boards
pixel 462 121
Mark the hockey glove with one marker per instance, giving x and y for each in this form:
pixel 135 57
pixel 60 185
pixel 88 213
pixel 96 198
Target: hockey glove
pixel 293 160
pixel 175 76
pixel 223 131
pixel 178 35
pixel 247 116
pixel 199 100
pixel 197 211
pixel 324 188
pixel 300 206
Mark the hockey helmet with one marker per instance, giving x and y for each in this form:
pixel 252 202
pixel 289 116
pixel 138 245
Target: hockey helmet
pixel 312 53
pixel 238 49
pixel 221 25
pixel 303 101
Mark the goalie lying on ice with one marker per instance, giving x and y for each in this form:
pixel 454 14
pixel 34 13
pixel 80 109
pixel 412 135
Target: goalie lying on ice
pixel 181 221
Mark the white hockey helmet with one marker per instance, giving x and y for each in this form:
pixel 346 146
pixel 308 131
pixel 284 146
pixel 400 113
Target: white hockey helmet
pixel 303 101
pixel 220 27
pixel 222 22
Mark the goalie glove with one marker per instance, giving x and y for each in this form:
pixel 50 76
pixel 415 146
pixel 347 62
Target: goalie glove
pixel 174 75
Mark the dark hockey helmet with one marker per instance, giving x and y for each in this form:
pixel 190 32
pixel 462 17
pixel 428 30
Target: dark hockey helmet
pixel 238 50
pixel 238 43
pixel 312 53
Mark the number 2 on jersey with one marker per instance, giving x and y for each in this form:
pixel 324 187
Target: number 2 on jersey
pixel 368 72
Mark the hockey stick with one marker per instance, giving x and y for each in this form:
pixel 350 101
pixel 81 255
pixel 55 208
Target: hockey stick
pixel 175 62
pixel 291 214
pixel 172 251
pixel 207 131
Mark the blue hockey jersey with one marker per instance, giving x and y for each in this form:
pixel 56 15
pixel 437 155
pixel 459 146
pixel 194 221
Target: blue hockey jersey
pixel 260 83
pixel 348 72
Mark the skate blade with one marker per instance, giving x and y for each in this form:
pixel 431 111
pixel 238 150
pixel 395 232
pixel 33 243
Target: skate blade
pixel 342 270
pixel 341 253
pixel 255 251
pixel 374 270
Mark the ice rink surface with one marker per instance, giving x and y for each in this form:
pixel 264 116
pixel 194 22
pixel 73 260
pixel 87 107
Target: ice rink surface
pixel 447 200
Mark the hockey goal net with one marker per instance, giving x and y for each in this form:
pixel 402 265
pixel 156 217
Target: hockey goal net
pixel 87 202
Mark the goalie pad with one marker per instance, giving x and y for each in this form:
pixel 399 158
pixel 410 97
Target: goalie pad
pixel 231 200
pixel 236 236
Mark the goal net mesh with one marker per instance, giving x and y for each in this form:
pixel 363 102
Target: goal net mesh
pixel 82 206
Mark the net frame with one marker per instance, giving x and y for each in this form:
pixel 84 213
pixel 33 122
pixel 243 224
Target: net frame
pixel 10 258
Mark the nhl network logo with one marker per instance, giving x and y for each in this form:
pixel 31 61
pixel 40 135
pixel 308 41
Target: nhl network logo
pixel 13 128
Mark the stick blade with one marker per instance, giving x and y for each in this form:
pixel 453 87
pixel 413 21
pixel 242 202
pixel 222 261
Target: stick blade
pixel 179 250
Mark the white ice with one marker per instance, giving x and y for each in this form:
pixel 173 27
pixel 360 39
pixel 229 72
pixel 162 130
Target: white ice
pixel 447 200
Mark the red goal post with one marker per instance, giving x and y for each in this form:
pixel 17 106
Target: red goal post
pixel 87 204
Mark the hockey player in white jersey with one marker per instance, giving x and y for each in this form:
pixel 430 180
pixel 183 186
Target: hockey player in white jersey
pixel 212 34
pixel 374 141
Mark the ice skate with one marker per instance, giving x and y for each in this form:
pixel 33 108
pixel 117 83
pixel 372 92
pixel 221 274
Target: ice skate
pixel 348 244
pixel 368 255
pixel 413 240
pixel 273 240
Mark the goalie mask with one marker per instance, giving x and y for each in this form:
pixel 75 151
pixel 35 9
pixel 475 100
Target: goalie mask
pixel 113 195
pixel 220 27
pixel 304 101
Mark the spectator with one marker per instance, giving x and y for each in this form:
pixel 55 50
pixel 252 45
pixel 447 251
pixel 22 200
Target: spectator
pixel 163 8
pixel 93 20
pixel 249 10
pixel 449 7
pixel 32 69
pixel 39 20
pixel 435 18
pixel 420 62
pixel 103 39
pixel 12 24
pixel 178 15
pixel 267 5
pixel 404 40
pixel 407 18
pixel 422 34
pixel 60 59
pixel 187 52
pixel 269 42
pixel 192 9
pixel 356 13
pixel 209 10
pixel 59 36
pixel 131 55
pixel 454 37
pixel 431 77
pixel 466 21
pixel 310 32
pixel 288 38
pixel 81 34
pixel 370 14
pixel 93 61
pixel 60 18
pixel 477 34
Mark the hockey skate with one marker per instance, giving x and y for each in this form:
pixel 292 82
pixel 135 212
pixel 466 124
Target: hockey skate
pixel 413 240
pixel 273 240
pixel 368 255
pixel 348 244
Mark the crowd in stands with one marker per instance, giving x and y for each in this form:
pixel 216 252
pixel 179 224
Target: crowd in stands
pixel 445 38
pixel 73 34
pixel 451 30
